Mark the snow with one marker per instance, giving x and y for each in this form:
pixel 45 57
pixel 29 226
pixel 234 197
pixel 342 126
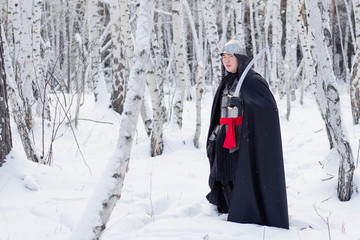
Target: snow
pixel 164 197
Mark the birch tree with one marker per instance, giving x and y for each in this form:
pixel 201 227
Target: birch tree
pixel 239 21
pixel 98 211
pixel 155 82
pixel 180 59
pixel 42 105
pixel 212 37
pixel 22 53
pixel 5 131
pixel 327 95
pixel 94 24
pixel 118 59
pixel 355 73
pixel 126 36
pixel 290 56
pixel 123 55
pixel 123 52
pixel 80 55
pixel 200 66
pixel 156 138
pixel 252 30
pixel 276 57
pixel 19 110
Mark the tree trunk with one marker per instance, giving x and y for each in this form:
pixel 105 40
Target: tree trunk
pixel 118 60
pixel 327 95
pixel 156 138
pixel 42 105
pixel 212 37
pixel 155 80
pixel 253 32
pixel 94 24
pixel 355 73
pixel 239 21
pixel 180 59
pixel 125 32
pixel 17 107
pixel 199 92
pixel 200 66
pixel 108 191
pixel 146 115
pixel 276 56
pixel 22 53
pixel 5 131
pixel 290 56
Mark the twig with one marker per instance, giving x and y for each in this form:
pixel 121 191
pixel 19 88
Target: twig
pixel 328 178
pixel 325 220
pixel 91 120
pixel 319 130
pixel 72 130
pixel 151 204
pixel 326 199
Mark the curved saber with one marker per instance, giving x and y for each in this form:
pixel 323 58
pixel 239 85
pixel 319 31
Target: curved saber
pixel 243 75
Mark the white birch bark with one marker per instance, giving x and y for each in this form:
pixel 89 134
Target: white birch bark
pixel 222 10
pixel 80 56
pixel 239 21
pixel 200 66
pixel 126 36
pixel 17 107
pixel 180 59
pixel 118 60
pixel 159 39
pixel 327 95
pixel 21 18
pixel 199 92
pixel 42 105
pixel 355 73
pixel 290 56
pixel 259 23
pixel 126 32
pixel 5 130
pixel 156 138
pixel 252 30
pixel 98 211
pixel 146 115
pixel 268 65
pixel 212 37
pixel 155 80
pixel 276 57
pixel 69 48
pixel 343 52
pixel 305 44
pixel 94 24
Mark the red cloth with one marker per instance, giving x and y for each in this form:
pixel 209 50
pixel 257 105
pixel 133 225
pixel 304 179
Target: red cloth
pixel 230 139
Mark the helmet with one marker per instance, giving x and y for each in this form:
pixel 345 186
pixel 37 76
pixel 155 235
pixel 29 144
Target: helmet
pixel 234 47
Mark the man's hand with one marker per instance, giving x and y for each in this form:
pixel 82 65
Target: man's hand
pixel 235 102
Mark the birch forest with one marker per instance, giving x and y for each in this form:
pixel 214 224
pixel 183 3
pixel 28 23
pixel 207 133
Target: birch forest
pixel 53 53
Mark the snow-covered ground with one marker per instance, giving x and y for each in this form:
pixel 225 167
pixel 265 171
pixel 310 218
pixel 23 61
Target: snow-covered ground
pixel 164 197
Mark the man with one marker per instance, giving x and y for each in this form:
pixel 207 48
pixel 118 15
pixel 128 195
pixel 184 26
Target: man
pixel 244 147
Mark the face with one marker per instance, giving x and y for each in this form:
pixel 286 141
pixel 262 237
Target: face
pixel 230 62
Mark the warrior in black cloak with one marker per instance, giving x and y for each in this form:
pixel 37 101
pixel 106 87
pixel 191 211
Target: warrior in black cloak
pixel 244 147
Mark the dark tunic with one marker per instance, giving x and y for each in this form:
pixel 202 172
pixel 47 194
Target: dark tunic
pixel 225 161
pixel 259 191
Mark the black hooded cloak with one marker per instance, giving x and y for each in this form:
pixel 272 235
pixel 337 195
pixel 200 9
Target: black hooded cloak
pixel 259 191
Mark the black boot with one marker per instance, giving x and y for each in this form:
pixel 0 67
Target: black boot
pixel 227 187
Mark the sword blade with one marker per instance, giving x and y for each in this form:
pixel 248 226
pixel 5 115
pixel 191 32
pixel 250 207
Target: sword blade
pixel 243 75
